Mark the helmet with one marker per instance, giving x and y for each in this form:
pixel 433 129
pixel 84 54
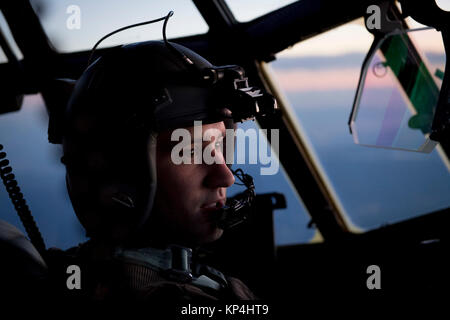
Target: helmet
pixel 116 110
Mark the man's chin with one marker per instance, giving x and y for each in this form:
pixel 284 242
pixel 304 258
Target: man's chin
pixel 218 233
pixel 211 236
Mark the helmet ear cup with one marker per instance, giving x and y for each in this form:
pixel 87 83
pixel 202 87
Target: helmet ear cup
pixel 111 181
pixel 114 203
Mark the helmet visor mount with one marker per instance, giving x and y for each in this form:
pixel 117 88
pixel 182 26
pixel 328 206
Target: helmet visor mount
pixel 223 95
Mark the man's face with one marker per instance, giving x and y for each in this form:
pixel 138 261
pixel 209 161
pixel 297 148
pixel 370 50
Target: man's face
pixel 188 195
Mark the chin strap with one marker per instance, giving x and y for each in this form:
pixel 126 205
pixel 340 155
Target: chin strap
pixel 173 263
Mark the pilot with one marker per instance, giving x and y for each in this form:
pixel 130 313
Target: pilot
pixel 144 213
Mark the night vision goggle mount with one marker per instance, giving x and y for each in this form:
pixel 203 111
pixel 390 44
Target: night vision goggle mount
pixel 244 102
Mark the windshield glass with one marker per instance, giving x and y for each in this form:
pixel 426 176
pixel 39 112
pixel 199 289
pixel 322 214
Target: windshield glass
pixel 78 25
pixel 248 10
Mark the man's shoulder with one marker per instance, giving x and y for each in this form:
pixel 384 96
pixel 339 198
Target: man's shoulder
pixel 240 290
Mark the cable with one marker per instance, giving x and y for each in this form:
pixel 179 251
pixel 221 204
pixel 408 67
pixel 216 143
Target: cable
pixel 181 55
pixel 20 204
pixel 166 18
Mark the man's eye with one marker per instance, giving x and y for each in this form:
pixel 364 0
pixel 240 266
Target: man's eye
pixel 189 151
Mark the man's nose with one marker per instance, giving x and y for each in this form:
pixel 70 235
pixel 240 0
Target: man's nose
pixel 219 176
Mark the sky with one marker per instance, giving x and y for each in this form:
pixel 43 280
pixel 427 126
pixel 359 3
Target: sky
pixel 374 186
pixel 318 78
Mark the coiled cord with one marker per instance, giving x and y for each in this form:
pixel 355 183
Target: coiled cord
pixel 20 204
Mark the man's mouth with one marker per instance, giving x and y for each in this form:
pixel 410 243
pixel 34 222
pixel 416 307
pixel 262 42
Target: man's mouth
pixel 213 206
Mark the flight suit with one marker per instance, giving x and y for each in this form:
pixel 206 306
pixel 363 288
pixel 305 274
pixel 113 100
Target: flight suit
pixel 146 274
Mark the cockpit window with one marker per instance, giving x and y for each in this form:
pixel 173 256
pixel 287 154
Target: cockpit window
pixel 374 187
pixel 248 10
pixel 78 25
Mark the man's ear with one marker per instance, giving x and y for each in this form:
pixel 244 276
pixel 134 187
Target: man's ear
pixel 56 96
